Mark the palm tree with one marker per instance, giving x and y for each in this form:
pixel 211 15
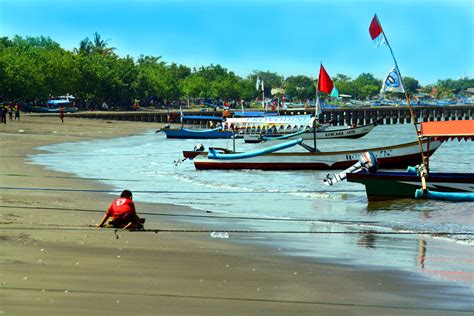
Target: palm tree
pixel 100 45
pixel 85 47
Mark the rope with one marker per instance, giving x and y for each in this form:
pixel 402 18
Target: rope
pixel 88 155
pixel 238 299
pixel 67 177
pixel 203 216
pixel 244 231
pixel 174 192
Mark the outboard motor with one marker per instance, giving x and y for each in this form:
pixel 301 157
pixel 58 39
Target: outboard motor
pixel 367 161
pixel 167 126
pixel 198 147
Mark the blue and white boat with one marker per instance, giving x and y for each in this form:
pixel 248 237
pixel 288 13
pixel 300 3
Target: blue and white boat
pixel 53 106
pixel 185 133
pixel 194 133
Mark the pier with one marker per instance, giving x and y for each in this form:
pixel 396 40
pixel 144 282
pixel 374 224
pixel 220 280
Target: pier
pixel 339 117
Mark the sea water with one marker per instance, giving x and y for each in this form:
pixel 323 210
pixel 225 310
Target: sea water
pixel 336 218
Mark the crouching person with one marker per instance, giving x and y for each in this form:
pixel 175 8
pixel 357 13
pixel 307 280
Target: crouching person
pixel 122 214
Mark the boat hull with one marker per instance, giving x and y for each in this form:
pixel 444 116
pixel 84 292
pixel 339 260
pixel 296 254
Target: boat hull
pixel 37 109
pixel 399 156
pixel 190 134
pixel 394 185
pixel 347 132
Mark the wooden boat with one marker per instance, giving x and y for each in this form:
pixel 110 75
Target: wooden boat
pixel 53 106
pixel 397 156
pixel 308 134
pixel 188 133
pixel 393 185
pixel 185 133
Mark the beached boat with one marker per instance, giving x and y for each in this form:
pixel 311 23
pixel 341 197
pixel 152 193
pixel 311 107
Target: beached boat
pixel 417 182
pixel 207 133
pixel 185 133
pixel 308 134
pixel 272 158
pixel 287 127
pixel 53 106
pixel 393 185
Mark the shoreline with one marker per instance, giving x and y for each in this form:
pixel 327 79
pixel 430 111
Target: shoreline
pixel 167 273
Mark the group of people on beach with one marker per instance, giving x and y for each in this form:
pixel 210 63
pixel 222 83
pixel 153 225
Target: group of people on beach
pixel 10 109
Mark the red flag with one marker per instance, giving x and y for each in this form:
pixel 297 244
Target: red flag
pixel 324 83
pixel 375 29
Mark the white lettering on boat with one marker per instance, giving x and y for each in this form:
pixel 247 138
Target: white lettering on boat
pixel 379 154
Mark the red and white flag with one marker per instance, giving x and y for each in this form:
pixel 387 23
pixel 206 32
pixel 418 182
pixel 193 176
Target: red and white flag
pixel 376 31
pixel 324 82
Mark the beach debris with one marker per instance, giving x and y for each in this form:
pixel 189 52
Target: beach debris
pixel 220 235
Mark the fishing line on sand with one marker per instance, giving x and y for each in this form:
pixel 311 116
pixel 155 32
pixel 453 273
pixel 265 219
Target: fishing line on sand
pixel 227 298
pixel 67 177
pixel 238 231
pixel 91 155
pixel 174 192
pixel 202 216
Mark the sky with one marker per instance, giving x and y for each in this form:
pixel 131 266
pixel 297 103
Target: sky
pixel 431 39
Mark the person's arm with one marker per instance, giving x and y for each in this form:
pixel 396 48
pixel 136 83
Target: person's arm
pixel 102 222
pixel 106 216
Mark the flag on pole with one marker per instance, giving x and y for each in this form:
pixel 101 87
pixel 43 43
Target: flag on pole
pixel 334 93
pixel 376 31
pixel 392 82
pixel 324 82
pixel 318 109
pixel 259 84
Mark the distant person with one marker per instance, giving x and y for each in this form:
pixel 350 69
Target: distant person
pixel 61 113
pixel 10 113
pixel 17 112
pixel 122 213
pixel 4 114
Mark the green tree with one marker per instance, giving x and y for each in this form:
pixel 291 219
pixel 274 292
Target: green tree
pixel 411 85
pixel 300 88
pixel 344 85
pixel 366 86
pixel 193 85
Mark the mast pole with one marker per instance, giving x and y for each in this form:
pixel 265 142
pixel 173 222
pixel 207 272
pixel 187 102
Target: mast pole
pixel 314 121
pixel 406 93
pixel 410 108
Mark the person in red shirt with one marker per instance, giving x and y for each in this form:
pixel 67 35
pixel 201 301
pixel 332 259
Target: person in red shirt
pixel 122 213
pixel 61 113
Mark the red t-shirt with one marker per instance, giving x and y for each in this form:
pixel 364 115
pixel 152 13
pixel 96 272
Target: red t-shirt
pixel 121 208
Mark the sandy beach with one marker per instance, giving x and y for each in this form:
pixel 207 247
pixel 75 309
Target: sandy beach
pixel 53 261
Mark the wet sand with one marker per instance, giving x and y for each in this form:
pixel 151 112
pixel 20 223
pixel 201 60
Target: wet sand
pixel 54 262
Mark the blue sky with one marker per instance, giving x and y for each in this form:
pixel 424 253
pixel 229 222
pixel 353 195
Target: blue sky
pixel 431 39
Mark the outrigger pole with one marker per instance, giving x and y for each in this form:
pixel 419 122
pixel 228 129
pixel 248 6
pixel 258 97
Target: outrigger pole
pixel 412 115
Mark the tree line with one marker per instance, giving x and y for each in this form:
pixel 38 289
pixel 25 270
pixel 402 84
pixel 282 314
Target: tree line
pixel 33 69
